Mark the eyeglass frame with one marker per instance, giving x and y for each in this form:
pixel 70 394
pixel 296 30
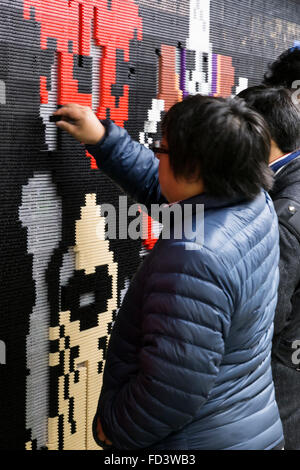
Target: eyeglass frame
pixel 158 150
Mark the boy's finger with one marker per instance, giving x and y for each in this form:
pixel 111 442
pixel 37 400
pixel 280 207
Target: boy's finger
pixel 61 111
pixel 68 112
pixel 74 105
pixel 66 126
pixel 68 106
pixel 100 432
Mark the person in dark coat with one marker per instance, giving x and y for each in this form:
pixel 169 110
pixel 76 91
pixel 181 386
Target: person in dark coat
pixel 283 116
pixel 189 360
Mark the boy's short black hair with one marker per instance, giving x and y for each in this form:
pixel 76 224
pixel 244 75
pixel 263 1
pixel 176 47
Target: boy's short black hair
pixel 285 70
pixel 279 111
pixel 221 141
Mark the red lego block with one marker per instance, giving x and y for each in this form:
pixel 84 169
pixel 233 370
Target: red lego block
pixel 43 90
pixel 169 88
pixel 93 161
pixel 149 239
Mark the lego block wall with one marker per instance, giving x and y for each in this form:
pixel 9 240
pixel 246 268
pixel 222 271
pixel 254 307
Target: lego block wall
pixel 61 286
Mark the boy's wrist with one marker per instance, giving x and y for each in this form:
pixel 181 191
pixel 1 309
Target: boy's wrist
pixel 98 137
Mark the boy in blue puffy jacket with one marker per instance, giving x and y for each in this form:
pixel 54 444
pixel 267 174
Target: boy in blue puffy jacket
pixel 188 363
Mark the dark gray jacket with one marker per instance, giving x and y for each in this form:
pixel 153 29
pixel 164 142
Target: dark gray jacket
pixel 286 197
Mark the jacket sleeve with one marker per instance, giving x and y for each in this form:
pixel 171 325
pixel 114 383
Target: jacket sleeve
pixel 186 319
pixel 289 269
pixel 129 164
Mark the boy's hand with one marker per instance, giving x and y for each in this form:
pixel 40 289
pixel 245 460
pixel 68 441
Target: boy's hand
pixel 101 434
pixel 81 123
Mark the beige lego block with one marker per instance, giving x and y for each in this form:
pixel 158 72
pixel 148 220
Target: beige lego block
pixel 51 447
pixel 91 248
pixel 61 344
pixel 54 333
pixel 77 441
pixel 53 359
pixel 28 445
pixel 53 433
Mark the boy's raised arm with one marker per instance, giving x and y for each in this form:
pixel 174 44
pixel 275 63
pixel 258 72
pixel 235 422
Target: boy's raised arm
pixel 129 164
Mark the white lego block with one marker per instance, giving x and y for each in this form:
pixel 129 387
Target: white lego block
pixel 243 85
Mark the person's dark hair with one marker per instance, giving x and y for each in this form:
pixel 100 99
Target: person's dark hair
pixel 280 113
pixel 221 141
pixel 285 70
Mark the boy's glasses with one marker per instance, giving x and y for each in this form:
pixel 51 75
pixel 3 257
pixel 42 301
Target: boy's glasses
pixel 158 150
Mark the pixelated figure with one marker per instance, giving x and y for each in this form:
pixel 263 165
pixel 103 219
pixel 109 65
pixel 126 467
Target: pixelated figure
pixel 47 271
pixel 88 303
pixel 80 57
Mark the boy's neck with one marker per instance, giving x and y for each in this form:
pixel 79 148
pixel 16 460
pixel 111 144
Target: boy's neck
pixel 183 191
pixel 275 153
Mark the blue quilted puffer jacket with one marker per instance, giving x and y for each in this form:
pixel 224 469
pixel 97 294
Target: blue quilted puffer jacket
pixel 188 363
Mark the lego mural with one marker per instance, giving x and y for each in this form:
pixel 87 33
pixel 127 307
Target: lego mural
pixel 62 281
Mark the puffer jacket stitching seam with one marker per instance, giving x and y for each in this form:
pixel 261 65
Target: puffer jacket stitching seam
pixel 238 234
pixel 163 335
pixel 234 351
pixel 192 299
pixel 272 299
pixel 121 361
pixel 216 258
pixel 256 292
pixel 202 325
pixel 235 267
pixel 256 246
pixel 263 363
pixel 178 273
pixel 127 434
pixel 262 264
pixel 178 366
pixel 235 421
pixel 204 249
pixel 265 357
pixel 153 418
pixel 164 405
pixel 242 259
pixel 221 398
pixel 193 276
pixel 159 381
pixel 199 279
